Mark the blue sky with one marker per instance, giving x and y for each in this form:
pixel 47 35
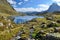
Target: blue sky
pixel 32 5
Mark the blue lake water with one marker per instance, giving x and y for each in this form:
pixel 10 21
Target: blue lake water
pixel 22 19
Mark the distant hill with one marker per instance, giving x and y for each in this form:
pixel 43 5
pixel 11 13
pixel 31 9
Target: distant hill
pixel 6 9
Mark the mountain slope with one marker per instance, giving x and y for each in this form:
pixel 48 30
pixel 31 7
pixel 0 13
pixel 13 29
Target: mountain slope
pixel 54 7
pixel 6 8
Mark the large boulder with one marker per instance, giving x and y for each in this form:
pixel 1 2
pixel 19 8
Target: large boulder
pixel 58 21
pixel 52 24
pixel 43 25
pixel 23 39
pixel 52 36
pixel 57 29
pixel 31 29
pixel 49 18
pixel 11 18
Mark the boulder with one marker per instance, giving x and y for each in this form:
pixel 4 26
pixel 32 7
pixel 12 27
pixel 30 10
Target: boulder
pixel 11 18
pixel 31 30
pixel 52 24
pixel 58 21
pixel 23 39
pixel 1 24
pixel 49 18
pixel 43 25
pixel 57 29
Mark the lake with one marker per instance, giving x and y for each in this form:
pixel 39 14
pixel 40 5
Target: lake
pixel 22 19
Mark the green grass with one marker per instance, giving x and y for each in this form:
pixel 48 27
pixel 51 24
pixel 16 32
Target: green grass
pixel 8 35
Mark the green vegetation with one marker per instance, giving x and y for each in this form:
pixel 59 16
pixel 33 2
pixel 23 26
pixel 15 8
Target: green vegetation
pixel 42 27
pixel 8 29
pixel 6 9
pixel 37 28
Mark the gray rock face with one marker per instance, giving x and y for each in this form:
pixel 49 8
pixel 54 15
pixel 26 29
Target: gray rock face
pixel 54 7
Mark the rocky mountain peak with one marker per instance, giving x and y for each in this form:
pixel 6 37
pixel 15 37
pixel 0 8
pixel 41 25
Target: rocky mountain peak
pixel 54 7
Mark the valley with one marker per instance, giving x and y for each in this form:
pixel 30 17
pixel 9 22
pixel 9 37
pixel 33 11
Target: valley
pixel 15 25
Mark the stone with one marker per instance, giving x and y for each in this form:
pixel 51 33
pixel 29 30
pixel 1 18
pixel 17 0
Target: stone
pixel 9 24
pixel 49 18
pixel 18 37
pixel 31 30
pixel 9 20
pixel 23 39
pixel 58 21
pixel 43 26
pixel 43 23
pixel 1 24
pixel 57 29
pixel 42 32
pixel 30 39
pixel 52 24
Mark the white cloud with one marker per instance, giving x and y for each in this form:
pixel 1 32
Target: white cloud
pixel 14 6
pixel 26 0
pixel 11 1
pixel 41 7
pixel 29 9
pixel 56 0
pixel 20 3
pixel 44 6
pixel 58 4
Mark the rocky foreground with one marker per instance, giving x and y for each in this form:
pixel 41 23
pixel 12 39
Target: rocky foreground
pixel 40 29
pixel 8 28
pixel 47 28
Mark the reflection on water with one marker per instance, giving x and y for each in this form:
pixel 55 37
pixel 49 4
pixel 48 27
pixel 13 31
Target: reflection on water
pixel 22 19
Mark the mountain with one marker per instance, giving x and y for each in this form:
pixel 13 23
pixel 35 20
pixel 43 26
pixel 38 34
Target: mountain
pixel 6 9
pixel 31 13
pixel 54 7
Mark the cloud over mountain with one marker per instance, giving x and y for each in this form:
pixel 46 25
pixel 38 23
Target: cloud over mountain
pixel 12 2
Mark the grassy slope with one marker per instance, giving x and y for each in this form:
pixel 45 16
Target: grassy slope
pixel 7 32
pixel 6 8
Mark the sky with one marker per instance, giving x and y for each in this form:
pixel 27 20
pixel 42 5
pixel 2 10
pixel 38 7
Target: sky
pixel 32 5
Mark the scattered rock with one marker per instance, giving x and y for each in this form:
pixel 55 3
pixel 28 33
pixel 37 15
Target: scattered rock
pixel 1 24
pixel 58 21
pixel 57 29
pixel 11 18
pixel 9 24
pixel 31 30
pixel 49 18
pixel 23 39
pixel 42 32
pixel 52 24
pixel 43 25
pixel 52 36
pixel 18 37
